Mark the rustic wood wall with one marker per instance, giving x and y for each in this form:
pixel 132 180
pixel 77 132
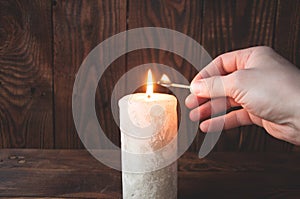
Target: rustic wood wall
pixel 43 42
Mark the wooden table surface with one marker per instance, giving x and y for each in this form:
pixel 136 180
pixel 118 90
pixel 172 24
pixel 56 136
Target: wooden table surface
pixel 34 173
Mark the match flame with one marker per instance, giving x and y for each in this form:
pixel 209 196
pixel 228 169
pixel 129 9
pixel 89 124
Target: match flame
pixel 165 79
pixel 149 90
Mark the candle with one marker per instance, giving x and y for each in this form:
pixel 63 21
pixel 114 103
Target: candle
pixel 148 123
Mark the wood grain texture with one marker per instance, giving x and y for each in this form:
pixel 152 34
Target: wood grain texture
pixel 76 174
pixel 79 26
pixel 37 72
pixel 26 117
pixel 287 33
pixel 231 25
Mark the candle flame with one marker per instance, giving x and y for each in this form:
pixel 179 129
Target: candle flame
pixel 149 90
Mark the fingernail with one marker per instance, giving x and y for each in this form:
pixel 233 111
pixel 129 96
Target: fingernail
pixel 196 87
pixel 189 100
pixel 194 116
pixel 204 127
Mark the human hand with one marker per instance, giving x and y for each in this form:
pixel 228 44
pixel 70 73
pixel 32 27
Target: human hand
pixel 264 85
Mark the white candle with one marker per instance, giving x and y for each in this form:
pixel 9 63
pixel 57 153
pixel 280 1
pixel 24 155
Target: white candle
pixel 148 123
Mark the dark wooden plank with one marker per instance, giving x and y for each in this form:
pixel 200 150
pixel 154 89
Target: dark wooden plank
pixel 183 16
pixel 25 58
pixel 78 27
pixel 287 33
pixel 26 117
pixel 35 197
pixel 231 25
pixel 75 174
pixel 56 173
pixel 239 175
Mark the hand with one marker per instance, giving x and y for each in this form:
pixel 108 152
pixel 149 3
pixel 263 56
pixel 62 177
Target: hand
pixel 264 86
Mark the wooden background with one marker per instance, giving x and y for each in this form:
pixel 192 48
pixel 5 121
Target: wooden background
pixel 43 43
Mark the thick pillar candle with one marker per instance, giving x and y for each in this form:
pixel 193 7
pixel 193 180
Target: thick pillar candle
pixel 148 123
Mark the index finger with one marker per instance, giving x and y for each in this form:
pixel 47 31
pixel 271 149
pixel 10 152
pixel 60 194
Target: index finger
pixel 225 64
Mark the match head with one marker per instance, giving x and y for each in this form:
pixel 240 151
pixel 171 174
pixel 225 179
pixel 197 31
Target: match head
pixel 164 81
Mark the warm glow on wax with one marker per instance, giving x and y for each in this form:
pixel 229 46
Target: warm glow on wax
pixel 149 90
pixel 148 124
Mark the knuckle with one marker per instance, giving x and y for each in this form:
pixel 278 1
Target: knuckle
pixel 236 80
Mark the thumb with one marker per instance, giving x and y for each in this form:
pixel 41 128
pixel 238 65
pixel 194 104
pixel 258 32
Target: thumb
pixel 212 87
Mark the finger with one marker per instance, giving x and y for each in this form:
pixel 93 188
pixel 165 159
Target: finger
pixel 225 64
pixel 232 120
pixel 213 87
pixel 192 101
pixel 213 107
